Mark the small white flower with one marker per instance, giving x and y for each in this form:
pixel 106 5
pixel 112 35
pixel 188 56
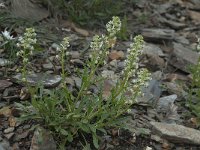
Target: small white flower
pixel 6 34
pixel 57 56
pixel 2 5
pixel 67 53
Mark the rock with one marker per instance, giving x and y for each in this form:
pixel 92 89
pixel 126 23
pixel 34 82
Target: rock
pixel 4 84
pixel 151 93
pixel 195 16
pixel 1 147
pixel 173 87
pixel 78 81
pixel 176 133
pixel 155 62
pixel 28 10
pixel 182 40
pixel 113 63
pixel 9 130
pixel 22 135
pixel 42 140
pixel 158 35
pixel 47 66
pixel 6 111
pixel 183 57
pixel 152 49
pixel 118 55
pixel 77 62
pixel 4 145
pixel 173 24
pixel 157 75
pixel 74 54
pixel 162 8
pixel 5 62
pixel 9 135
pixel 47 80
pixel 55 46
pixel 164 102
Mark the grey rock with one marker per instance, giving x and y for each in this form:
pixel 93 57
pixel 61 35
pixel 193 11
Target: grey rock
pixel 42 140
pixel 47 80
pixel 151 93
pixel 157 75
pixel 113 63
pixel 77 62
pixel 74 54
pixel 152 49
pixel 5 62
pixel 5 84
pixel 163 7
pixel 9 135
pixel 173 87
pixel 173 24
pixel 183 57
pixel 28 10
pixel 164 102
pixel 9 130
pixel 4 145
pixel 48 66
pixel 182 40
pixel 176 133
pixel 78 81
pixel 158 35
pixel 55 46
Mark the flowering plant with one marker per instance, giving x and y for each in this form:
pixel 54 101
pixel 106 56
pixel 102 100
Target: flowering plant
pixel 69 115
pixel 26 45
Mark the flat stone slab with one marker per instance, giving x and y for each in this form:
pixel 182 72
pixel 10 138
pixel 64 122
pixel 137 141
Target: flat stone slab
pixel 152 49
pixel 42 140
pixel 4 84
pixel 47 80
pixel 183 57
pixel 157 35
pixel 176 133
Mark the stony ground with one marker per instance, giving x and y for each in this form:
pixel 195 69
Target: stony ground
pixel 160 120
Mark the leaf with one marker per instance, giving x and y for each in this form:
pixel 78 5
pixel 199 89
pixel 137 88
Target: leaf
pixel 87 147
pixel 64 132
pixel 95 141
pixel 84 127
pixel 102 130
pixel 70 137
pixel 92 128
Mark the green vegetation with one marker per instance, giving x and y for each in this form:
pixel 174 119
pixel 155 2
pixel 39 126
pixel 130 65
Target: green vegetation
pixel 195 91
pixel 88 12
pixel 195 88
pixel 68 115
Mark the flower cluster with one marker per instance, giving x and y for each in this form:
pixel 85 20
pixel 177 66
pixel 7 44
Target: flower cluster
pixel 143 76
pixel 135 50
pixel 62 48
pixel 26 43
pixel 113 26
pixel 62 54
pixel 103 43
pixel 97 43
